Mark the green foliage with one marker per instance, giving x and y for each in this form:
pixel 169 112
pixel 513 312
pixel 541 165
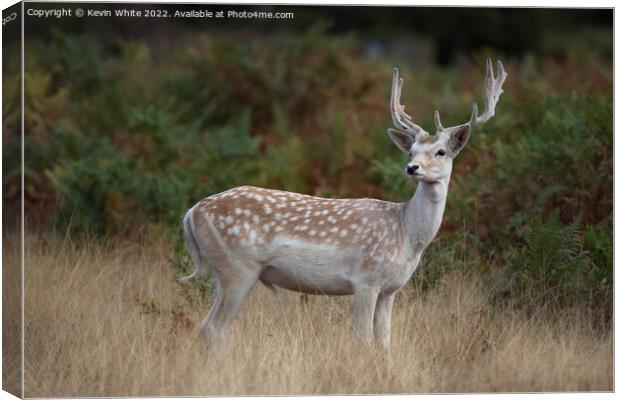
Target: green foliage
pixel 287 165
pixel 598 243
pixel 562 263
pixel 565 159
pixel 453 251
pixel 123 139
pixel 551 260
pixel 392 182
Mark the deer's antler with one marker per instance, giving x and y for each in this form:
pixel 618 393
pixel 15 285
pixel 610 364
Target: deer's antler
pixel 400 118
pixel 492 91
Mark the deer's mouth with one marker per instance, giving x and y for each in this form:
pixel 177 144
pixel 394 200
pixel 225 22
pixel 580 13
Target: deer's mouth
pixel 420 177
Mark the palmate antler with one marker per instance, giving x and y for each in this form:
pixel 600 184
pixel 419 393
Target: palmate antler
pixel 492 91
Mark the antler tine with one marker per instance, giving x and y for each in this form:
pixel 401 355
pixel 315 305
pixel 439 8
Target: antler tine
pixel 492 91
pixel 474 114
pixel 401 119
pixel 438 124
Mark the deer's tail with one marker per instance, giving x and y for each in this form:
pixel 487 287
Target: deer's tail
pixel 192 247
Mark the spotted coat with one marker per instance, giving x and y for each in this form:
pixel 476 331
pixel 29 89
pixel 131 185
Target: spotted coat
pixel 248 217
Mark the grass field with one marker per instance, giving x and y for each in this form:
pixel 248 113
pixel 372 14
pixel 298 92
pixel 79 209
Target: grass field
pixel 109 319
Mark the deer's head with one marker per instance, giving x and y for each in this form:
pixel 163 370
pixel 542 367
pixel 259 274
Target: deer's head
pixel 432 155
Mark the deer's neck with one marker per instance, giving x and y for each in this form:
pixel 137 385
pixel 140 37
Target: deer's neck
pixel 423 213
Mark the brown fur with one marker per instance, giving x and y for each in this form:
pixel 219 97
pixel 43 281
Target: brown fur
pixel 430 139
pixel 251 216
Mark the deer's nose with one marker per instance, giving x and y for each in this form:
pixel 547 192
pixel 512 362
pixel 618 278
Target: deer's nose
pixel 412 168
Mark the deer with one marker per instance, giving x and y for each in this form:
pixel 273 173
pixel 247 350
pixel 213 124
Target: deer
pixel 363 247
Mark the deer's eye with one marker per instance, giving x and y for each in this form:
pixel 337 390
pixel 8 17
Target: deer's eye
pixel 441 152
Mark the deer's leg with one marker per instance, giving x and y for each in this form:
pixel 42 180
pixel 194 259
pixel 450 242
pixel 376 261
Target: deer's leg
pixel 208 327
pixel 233 286
pixel 363 313
pixel 383 320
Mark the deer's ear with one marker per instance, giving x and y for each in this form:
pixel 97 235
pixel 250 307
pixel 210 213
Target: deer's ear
pixel 403 140
pixel 459 138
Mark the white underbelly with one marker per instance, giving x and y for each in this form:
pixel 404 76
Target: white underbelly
pixel 310 267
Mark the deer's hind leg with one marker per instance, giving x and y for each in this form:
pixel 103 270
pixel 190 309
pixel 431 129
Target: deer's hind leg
pixel 234 278
pixel 234 281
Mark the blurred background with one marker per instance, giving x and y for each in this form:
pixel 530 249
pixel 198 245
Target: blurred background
pixel 129 122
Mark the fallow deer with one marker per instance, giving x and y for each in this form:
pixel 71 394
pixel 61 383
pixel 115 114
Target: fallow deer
pixel 362 247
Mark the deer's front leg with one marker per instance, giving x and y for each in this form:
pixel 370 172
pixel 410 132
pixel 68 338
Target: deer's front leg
pixel 363 313
pixel 383 320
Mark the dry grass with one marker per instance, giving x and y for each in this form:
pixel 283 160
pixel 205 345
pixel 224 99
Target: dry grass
pixel 109 320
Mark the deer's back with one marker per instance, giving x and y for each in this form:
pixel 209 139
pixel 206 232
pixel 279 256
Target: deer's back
pixel 262 222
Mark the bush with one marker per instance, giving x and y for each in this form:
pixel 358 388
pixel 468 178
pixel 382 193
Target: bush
pixel 551 260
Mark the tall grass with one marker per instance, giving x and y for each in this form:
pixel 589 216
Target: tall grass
pixel 109 319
